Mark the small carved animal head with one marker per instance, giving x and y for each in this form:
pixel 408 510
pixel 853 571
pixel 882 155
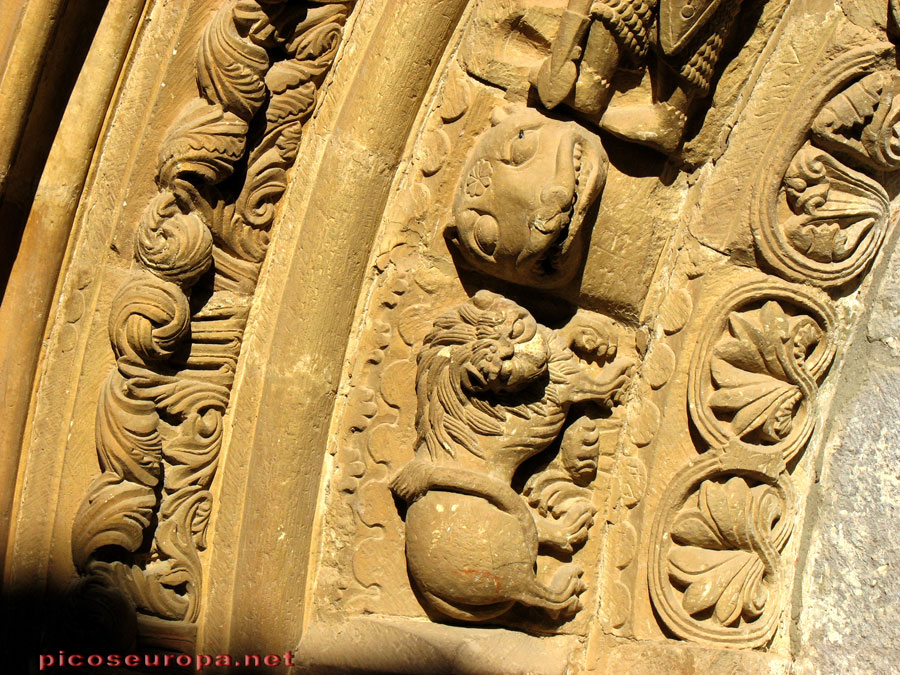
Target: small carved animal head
pixel 488 345
pixel 524 195
pixel 493 342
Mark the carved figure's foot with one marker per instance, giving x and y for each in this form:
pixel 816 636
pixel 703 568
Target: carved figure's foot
pixel 592 92
pixel 571 530
pixel 591 334
pixel 605 385
pixel 659 125
pixel 560 599
pixel 553 87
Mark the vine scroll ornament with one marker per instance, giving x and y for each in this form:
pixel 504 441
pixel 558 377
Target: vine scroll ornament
pixel 819 219
pixel 138 534
pixel 755 373
pixel 716 573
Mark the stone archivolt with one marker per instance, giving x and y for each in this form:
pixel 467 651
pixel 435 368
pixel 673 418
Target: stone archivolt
pixel 717 576
pixel 176 327
pixel 524 436
pixel 693 465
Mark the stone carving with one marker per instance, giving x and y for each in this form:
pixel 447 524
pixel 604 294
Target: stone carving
pixel 755 372
pixel 722 549
pixel 140 529
pixel 524 198
pixel 863 122
pixel 560 494
pixel 825 220
pixel 595 37
pixel 493 389
pixel 838 214
pixel 832 224
pixel 571 386
pixel 716 574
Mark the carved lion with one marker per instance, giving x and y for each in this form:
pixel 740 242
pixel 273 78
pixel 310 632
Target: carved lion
pixel 493 389
pixel 523 197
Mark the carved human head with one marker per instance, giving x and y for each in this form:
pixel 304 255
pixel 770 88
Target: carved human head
pixel 523 197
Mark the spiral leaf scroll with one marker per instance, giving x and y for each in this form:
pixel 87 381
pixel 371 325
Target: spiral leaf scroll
pixel 139 533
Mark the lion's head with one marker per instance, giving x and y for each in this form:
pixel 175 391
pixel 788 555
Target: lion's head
pixel 524 195
pixel 487 346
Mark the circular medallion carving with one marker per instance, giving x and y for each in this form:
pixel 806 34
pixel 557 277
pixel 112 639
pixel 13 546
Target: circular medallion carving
pixel 755 372
pixel 716 574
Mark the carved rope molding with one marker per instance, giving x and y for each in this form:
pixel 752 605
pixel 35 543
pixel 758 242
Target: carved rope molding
pixel 716 575
pixel 139 531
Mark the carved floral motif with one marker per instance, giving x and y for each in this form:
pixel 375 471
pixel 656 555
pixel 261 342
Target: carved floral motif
pixel 755 373
pixel 721 557
pixel 716 573
pixel 141 527
pixel 839 215
pixel 830 220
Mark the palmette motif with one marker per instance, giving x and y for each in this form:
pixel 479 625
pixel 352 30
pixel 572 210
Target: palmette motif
pixel 717 574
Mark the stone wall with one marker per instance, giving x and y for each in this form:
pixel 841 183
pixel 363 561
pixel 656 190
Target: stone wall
pixel 846 600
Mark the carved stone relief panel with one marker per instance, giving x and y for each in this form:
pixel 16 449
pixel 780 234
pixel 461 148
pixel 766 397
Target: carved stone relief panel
pixel 175 322
pixel 586 382
pixel 490 336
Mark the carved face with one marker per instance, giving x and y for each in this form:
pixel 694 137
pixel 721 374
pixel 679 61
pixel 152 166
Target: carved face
pixel 510 352
pixel 523 197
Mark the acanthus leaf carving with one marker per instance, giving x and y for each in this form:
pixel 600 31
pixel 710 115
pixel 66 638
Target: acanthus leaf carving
pixel 143 523
pixel 115 513
pixel 206 143
pixel 863 122
pixel 230 65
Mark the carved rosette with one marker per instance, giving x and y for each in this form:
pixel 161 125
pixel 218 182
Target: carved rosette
pixel 756 370
pixel 716 572
pixel 141 528
pixel 820 218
